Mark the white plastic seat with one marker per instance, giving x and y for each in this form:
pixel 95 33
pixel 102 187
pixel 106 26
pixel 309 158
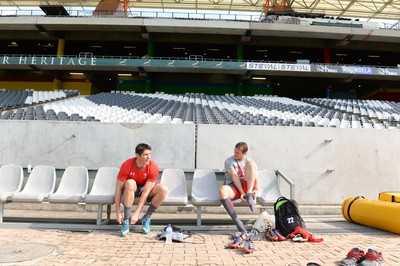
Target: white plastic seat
pixel 175 181
pixel 41 182
pixel 73 186
pixel 355 124
pixel 204 190
pixel 334 123
pixel 11 177
pixel 345 124
pixel 367 125
pixel 103 191
pixel 269 190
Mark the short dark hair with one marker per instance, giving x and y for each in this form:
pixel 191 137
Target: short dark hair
pixel 141 147
pixel 242 146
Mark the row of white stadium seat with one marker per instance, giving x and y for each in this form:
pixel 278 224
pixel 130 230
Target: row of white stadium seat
pixel 74 187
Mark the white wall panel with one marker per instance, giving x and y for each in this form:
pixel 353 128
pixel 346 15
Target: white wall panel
pixel 364 161
pixel 94 144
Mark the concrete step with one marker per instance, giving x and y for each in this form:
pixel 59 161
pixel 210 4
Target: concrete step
pixel 82 208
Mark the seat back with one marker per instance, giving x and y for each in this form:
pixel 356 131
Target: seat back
pixel 11 177
pixel 269 190
pixel 42 179
pixel 75 180
pixel 175 181
pixel 105 181
pixel 205 188
pixel 103 191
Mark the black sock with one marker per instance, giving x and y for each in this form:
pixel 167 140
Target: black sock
pixel 149 212
pixel 127 212
pixel 228 205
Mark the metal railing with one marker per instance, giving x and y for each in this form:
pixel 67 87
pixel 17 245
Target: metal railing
pixel 189 58
pixel 139 14
pixel 289 181
pixel 186 15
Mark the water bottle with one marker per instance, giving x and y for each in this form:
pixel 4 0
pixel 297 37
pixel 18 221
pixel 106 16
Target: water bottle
pixel 168 235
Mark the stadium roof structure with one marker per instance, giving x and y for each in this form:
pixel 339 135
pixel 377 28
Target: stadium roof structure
pixel 370 9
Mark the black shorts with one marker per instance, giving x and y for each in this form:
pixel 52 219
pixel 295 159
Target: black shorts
pixel 139 191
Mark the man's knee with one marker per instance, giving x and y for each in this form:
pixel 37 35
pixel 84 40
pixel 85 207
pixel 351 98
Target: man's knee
pixel 223 192
pixel 130 186
pixel 162 190
pixel 251 165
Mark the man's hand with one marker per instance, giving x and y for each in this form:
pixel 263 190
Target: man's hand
pixel 255 193
pixel 242 197
pixel 119 218
pixel 134 218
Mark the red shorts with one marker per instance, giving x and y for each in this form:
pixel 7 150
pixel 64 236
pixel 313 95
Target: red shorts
pixel 236 191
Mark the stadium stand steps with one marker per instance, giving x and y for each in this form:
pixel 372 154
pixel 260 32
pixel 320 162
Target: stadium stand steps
pixel 131 107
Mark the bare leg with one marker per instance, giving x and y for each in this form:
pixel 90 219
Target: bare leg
pixel 157 196
pixel 130 188
pixel 250 174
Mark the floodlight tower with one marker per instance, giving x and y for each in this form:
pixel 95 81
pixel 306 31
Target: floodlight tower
pixel 125 4
pixel 111 7
pixel 277 6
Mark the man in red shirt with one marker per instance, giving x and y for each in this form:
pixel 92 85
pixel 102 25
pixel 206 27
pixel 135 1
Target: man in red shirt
pixel 137 178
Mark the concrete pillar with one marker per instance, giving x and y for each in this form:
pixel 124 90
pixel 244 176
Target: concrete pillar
pixel 57 84
pixel 150 48
pixel 239 88
pixel 239 51
pixel 327 55
pixel 148 85
pixel 60 48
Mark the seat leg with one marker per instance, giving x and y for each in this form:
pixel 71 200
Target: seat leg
pixel 1 212
pixel 99 214
pixel 198 215
pixel 108 212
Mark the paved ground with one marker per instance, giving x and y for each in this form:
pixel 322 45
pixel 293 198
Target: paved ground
pixel 23 243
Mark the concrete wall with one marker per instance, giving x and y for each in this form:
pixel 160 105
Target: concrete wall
pixel 364 161
pixel 92 144
pixel 326 164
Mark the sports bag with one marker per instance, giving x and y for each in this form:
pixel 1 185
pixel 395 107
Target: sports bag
pixel 287 216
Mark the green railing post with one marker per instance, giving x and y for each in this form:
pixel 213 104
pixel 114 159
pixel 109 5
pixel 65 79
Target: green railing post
pixel 150 48
pixel 239 51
